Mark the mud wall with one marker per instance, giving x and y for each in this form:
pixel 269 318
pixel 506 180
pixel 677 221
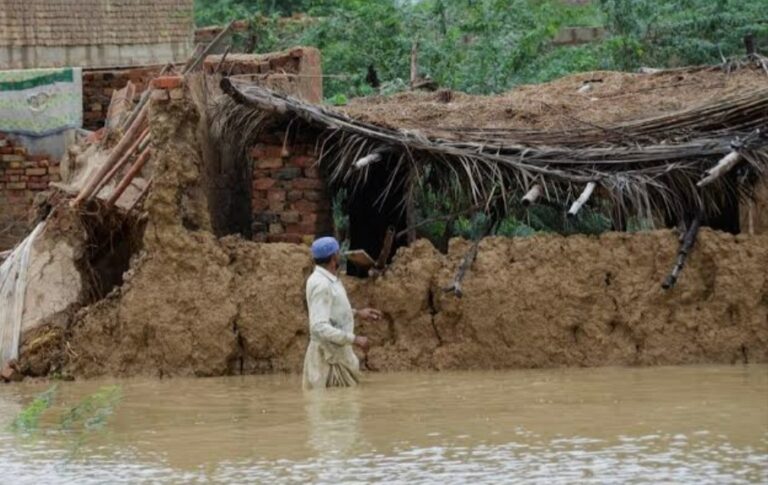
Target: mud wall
pixel 192 304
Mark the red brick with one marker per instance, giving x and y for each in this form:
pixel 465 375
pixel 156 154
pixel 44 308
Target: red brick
pixel 305 183
pixel 16 185
pixel 37 185
pixel 302 228
pixel 294 195
pixel 303 161
pixel 259 205
pixel 312 172
pixel 263 183
pixel 290 217
pixel 315 195
pixel 285 238
pixel 167 82
pixel 276 195
pixel 270 162
pixel 36 171
pixel 307 206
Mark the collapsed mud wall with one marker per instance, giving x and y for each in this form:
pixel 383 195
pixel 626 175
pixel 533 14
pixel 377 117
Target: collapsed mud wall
pixel 208 308
pixel 192 304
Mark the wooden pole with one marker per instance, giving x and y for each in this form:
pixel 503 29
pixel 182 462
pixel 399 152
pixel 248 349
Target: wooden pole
pixel 414 63
pixel 723 166
pixel 410 206
pixel 532 195
pixel 128 178
pixel 466 263
pixel 386 248
pixel 141 143
pixel 127 140
pixel 143 194
pixel 191 66
pixel 682 254
pixel 583 198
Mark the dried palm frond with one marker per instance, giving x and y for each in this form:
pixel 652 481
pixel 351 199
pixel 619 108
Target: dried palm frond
pixel 645 167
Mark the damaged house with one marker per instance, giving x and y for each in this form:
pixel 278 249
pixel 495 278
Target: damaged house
pixel 176 242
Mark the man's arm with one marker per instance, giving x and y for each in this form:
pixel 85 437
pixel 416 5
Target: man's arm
pixel 367 313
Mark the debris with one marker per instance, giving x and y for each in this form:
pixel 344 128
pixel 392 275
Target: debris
pixel 10 372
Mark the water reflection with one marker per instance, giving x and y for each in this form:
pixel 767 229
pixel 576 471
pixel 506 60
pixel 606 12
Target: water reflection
pixel 333 418
pixel 685 424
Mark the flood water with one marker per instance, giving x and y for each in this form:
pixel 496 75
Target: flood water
pixel 651 425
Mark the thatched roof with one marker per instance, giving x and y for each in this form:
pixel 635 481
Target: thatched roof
pixel 646 159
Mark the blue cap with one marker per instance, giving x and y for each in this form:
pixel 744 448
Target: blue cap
pixel 325 247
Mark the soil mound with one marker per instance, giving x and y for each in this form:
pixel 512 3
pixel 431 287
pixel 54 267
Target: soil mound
pixel 611 97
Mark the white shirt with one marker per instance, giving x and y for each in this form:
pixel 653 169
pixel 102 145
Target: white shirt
pixel 331 329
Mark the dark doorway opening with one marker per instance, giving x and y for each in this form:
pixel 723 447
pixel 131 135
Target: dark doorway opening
pixel 374 207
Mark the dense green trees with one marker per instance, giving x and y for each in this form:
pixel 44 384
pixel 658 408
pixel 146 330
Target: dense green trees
pixel 484 46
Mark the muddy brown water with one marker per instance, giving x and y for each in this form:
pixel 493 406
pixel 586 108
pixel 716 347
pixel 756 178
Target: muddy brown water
pixel 611 425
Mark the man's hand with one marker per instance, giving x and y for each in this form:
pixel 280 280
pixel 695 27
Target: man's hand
pixel 362 342
pixel 369 314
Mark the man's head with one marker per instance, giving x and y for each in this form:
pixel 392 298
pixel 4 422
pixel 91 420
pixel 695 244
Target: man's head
pixel 325 252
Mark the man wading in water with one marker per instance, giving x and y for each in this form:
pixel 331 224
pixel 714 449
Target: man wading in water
pixel 330 360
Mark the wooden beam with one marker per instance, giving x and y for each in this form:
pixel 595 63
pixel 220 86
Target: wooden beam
pixel 682 254
pixel 583 198
pixel 723 166
pixel 386 248
pixel 125 142
pixel 138 146
pixel 414 63
pixel 128 178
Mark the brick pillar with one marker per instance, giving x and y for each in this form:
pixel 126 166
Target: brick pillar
pixel 290 200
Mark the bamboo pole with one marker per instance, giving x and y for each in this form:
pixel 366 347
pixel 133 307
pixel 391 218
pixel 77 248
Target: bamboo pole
pixel 532 195
pixel 723 166
pixel 583 198
pixel 129 137
pixel 139 146
pixel 128 178
pixel 143 194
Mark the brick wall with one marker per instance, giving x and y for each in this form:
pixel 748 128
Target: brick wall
pixel 21 177
pixel 290 200
pixel 297 72
pixel 289 197
pixel 98 86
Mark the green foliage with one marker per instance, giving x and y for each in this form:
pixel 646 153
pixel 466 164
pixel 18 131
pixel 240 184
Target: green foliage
pixel 28 419
pixel 486 46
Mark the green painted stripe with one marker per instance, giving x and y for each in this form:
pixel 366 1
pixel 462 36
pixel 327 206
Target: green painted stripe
pixel 61 76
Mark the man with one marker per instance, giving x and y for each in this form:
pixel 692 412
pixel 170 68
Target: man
pixel 330 360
